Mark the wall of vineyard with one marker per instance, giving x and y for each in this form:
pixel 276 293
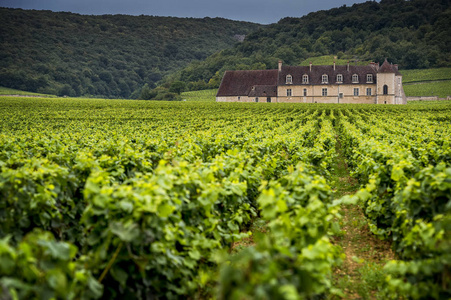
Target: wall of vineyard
pixel 107 199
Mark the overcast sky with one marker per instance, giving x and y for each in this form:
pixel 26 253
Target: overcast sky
pixel 259 11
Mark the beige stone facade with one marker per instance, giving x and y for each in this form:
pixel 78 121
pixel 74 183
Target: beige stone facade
pixel 315 84
pixel 328 93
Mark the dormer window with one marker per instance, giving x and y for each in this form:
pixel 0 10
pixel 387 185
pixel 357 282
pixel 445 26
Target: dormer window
pixel 289 79
pixel 305 79
pixel 325 79
pixel 355 78
pixel 339 78
pixel 369 77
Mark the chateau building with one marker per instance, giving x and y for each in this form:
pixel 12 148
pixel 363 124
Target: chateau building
pixel 372 84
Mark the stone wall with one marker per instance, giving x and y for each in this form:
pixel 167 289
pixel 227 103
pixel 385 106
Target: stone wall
pixel 235 99
pixel 422 98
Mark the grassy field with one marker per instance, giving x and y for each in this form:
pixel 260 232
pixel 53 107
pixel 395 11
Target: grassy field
pixel 204 95
pixel 8 91
pixel 442 89
pixel 442 102
pixel 427 82
pixel 425 75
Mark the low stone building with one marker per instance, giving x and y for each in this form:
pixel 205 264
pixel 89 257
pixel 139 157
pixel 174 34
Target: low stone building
pixel 372 84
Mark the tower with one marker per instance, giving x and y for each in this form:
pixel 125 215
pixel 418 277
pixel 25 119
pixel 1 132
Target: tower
pixel 389 85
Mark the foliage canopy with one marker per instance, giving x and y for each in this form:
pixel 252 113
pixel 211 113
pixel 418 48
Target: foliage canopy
pixel 109 55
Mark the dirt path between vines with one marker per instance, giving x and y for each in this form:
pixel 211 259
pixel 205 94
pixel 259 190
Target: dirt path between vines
pixel 361 273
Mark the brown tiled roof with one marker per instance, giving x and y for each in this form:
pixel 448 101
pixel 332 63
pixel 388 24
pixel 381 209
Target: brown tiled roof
pixel 240 83
pixel 315 75
pixel 388 68
pixel 263 91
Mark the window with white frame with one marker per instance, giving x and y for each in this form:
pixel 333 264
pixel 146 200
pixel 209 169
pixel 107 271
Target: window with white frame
pixel 289 93
pixel 368 91
pixel 289 79
pixel 356 91
pixel 305 92
pixel 340 95
pixel 305 79
pixel 324 92
pixel 325 79
pixel 340 78
pixel 369 77
pixel 355 78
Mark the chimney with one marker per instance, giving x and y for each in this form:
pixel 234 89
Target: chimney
pixel 310 66
pixel 348 66
pixel 334 65
pixel 280 65
pixel 396 66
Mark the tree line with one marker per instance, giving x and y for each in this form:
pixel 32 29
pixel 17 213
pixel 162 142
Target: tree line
pixel 414 34
pixel 108 56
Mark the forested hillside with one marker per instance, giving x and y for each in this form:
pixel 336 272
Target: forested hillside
pixel 109 55
pixel 121 56
pixel 414 34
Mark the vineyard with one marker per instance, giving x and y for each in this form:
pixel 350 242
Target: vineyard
pixel 148 200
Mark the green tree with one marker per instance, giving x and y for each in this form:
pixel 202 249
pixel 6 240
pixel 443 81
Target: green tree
pixel 177 87
pixel 66 90
pixel 146 93
pixel 215 81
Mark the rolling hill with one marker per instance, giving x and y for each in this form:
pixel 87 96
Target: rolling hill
pixel 110 55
